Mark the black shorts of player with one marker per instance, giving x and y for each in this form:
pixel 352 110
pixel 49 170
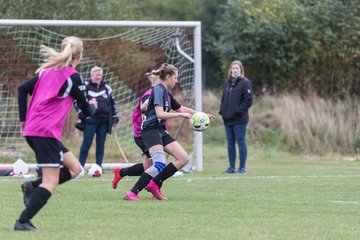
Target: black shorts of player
pixel 156 136
pixel 141 145
pixel 49 152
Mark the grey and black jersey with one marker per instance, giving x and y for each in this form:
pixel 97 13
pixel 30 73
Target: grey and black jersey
pixel 158 97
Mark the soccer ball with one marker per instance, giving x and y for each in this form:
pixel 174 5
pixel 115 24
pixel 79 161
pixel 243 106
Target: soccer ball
pixel 199 121
pixel 95 171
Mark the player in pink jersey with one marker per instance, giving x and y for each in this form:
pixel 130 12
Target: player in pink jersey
pixel 53 92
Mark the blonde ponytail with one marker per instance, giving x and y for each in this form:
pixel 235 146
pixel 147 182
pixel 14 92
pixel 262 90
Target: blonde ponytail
pixel 71 49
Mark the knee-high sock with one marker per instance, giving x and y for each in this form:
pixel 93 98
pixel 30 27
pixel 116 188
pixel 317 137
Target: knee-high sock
pixel 38 199
pixel 64 176
pixel 134 170
pixel 141 183
pixel 167 172
pixel 36 182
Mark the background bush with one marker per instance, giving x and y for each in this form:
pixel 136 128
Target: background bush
pixel 292 45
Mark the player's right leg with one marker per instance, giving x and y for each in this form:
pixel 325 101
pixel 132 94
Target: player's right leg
pixel 178 152
pixel 181 159
pixel 158 159
pixel 38 199
pixel 136 169
pixel 49 156
pixel 159 163
pixel 72 169
pixel 73 164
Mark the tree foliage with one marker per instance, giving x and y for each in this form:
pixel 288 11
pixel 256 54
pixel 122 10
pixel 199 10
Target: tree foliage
pixel 297 45
pixel 293 45
pixel 72 10
pixel 206 11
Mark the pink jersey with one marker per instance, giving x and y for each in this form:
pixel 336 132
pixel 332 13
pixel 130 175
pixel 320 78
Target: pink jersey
pixel 137 118
pixel 46 114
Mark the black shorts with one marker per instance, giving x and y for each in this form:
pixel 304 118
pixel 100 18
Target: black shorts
pixel 141 145
pixel 49 152
pixel 156 136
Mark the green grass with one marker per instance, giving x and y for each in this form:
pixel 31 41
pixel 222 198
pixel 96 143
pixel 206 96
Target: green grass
pixel 281 197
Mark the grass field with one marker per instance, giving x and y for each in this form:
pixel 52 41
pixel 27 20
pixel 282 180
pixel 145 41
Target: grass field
pixel 281 197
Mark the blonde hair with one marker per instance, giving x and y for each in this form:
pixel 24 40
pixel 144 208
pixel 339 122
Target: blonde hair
pixel 71 49
pixel 151 76
pixel 237 62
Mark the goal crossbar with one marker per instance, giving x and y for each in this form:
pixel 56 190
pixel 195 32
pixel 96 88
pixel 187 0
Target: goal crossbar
pixel 196 25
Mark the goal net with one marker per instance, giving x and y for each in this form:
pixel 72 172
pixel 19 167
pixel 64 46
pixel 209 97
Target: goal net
pixel 124 51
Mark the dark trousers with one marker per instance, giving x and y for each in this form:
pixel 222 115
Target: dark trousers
pixel 94 126
pixel 236 134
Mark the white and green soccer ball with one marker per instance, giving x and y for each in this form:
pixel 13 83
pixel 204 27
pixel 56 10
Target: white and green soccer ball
pixel 199 121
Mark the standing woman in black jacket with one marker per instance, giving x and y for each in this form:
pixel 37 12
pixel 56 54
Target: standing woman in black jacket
pixel 103 120
pixel 234 109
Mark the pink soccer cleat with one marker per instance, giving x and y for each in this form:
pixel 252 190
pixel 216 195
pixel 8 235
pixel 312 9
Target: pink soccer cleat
pixel 155 190
pixel 117 177
pixel 152 197
pixel 130 196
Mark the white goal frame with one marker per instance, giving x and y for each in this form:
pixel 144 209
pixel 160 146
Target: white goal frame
pixel 196 25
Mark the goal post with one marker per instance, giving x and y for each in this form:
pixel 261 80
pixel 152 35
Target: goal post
pixel 124 56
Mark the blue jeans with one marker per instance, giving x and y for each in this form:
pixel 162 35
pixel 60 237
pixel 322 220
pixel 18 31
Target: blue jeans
pixel 94 126
pixel 236 133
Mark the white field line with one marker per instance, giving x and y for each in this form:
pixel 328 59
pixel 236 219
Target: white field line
pixel 344 202
pixel 266 177
pixel 215 178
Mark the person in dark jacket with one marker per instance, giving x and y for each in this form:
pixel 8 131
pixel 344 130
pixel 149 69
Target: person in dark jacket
pixel 103 119
pixel 234 108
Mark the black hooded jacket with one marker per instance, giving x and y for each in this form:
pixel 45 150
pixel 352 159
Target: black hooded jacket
pixel 106 109
pixel 236 100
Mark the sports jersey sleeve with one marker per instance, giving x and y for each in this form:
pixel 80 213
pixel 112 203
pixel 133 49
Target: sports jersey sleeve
pixel 25 89
pixel 175 105
pixel 158 96
pixel 78 92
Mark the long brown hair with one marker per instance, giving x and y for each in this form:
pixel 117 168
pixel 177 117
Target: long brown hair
pixel 165 70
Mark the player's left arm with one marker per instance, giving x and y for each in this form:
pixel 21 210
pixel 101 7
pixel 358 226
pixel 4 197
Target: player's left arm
pixel 78 92
pixel 179 108
pixel 161 114
pixel 25 89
